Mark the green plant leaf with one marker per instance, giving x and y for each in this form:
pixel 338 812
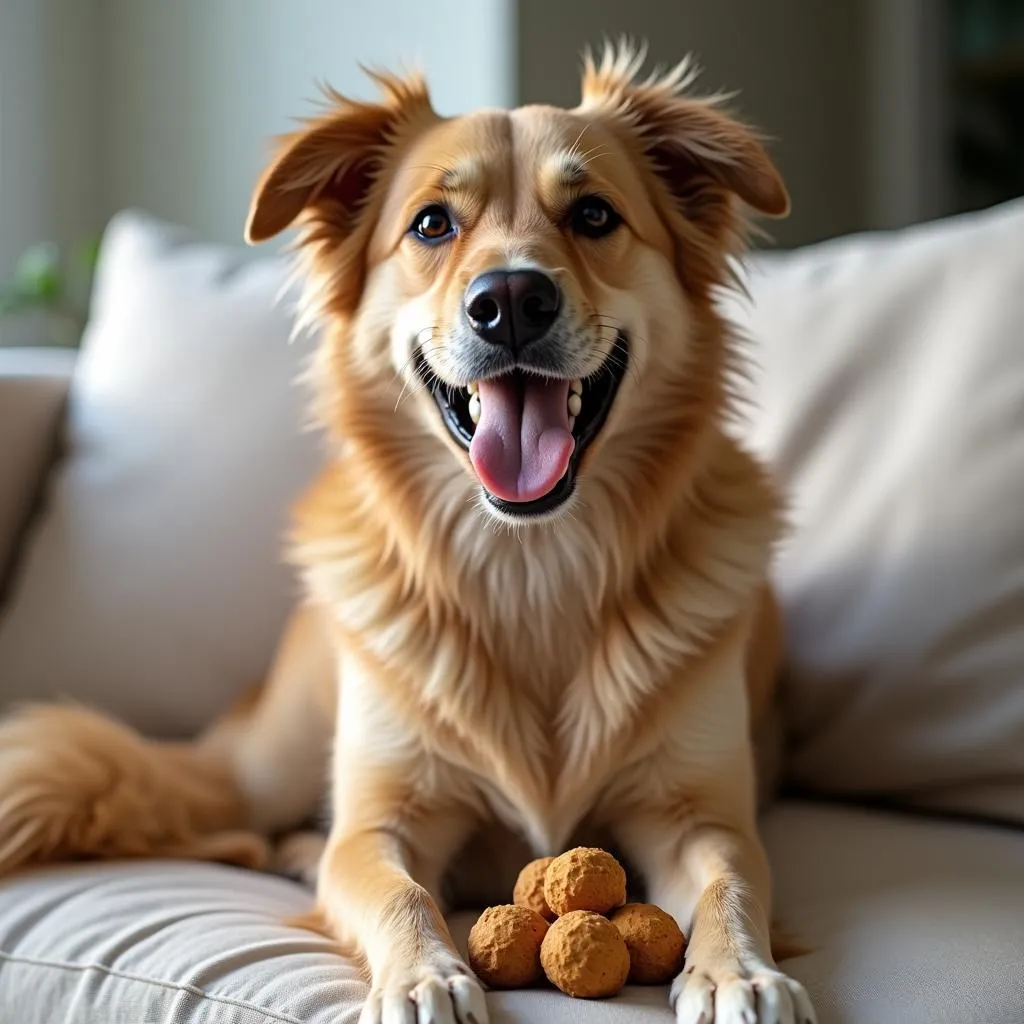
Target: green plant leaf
pixel 37 273
pixel 88 253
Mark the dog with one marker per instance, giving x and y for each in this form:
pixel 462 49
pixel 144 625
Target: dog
pixel 534 564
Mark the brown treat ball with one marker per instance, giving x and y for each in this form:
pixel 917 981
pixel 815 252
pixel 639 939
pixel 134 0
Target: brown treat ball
pixel 585 955
pixel 585 879
pixel 655 943
pixel 504 946
pixel 529 890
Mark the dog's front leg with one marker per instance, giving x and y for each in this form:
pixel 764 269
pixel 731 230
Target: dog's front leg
pixel 400 813
pixel 715 876
pixel 369 894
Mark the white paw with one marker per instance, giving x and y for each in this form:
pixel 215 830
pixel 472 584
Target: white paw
pixel 738 995
pixel 435 994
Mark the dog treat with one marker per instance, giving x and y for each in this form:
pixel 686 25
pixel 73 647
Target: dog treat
pixel 504 946
pixel 529 890
pixel 655 943
pixel 585 879
pixel 585 956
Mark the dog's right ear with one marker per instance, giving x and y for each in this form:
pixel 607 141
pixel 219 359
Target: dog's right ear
pixel 328 166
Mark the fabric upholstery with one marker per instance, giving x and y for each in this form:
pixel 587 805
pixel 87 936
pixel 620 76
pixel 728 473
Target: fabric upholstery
pixel 167 942
pixel 910 920
pixel 33 388
pixel 890 380
pixel 153 584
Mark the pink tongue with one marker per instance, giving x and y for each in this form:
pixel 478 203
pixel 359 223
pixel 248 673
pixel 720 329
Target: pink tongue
pixel 522 444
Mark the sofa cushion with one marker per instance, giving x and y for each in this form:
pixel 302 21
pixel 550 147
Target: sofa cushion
pixel 166 941
pixel 153 585
pixel 891 392
pixel 204 944
pixel 33 388
pixel 915 921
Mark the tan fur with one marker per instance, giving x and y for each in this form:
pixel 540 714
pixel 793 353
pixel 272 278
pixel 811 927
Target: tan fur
pixel 597 671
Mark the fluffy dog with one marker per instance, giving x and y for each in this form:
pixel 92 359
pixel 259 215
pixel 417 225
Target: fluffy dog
pixel 534 564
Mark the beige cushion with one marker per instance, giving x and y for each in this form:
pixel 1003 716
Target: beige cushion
pixel 915 921
pixel 33 387
pixel 153 584
pixel 892 395
pixel 175 942
pixel 910 920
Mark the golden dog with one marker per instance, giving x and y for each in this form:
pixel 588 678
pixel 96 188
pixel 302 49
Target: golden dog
pixel 535 563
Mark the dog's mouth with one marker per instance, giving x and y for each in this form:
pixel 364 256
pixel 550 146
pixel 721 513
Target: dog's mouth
pixel 526 434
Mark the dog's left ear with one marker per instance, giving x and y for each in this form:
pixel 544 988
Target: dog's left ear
pixel 692 144
pixel 329 166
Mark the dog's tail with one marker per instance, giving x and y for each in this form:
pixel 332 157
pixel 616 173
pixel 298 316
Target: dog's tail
pixel 75 785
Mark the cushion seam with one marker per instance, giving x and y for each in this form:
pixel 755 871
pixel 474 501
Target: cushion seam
pixel 160 983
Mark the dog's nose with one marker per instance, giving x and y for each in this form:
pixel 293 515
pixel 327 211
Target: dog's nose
pixel 512 307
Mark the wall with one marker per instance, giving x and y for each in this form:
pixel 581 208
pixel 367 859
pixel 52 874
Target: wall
pixel 50 173
pixel 907 100
pixel 195 88
pixel 799 68
pixel 171 105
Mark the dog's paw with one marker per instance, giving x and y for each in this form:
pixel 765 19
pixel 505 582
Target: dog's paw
pixel 445 993
pixel 734 994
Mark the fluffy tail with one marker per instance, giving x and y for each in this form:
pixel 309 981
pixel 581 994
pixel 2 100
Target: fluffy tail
pixel 75 785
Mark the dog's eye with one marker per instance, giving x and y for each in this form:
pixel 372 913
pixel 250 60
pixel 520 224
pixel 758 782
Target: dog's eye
pixel 594 217
pixel 434 224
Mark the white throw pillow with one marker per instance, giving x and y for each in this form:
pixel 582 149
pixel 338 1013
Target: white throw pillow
pixel 891 393
pixel 153 584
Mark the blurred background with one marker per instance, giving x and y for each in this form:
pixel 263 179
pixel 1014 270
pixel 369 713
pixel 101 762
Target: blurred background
pixel 882 112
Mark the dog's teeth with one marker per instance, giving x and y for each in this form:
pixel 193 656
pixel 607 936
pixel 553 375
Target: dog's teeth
pixel 576 387
pixel 472 388
pixel 474 407
pixel 575 404
pixel 572 423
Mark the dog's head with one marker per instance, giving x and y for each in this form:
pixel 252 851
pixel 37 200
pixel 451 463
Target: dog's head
pixel 532 288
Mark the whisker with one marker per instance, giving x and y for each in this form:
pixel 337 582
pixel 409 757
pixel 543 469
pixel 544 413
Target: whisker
pixel 572 149
pixel 401 374
pixel 406 390
pixel 431 376
pixel 419 346
pixel 592 153
pixel 614 358
pixel 606 322
pixel 424 348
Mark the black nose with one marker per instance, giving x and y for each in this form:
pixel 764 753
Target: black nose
pixel 512 307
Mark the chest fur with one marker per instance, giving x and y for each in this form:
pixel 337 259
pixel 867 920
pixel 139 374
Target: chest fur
pixel 541 741
pixel 536 666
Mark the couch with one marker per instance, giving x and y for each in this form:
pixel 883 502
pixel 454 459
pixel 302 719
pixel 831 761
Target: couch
pixel 144 489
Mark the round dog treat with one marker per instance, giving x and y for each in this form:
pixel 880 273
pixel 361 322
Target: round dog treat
pixel 529 890
pixel 504 946
pixel 655 943
pixel 585 955
pixel 585 879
